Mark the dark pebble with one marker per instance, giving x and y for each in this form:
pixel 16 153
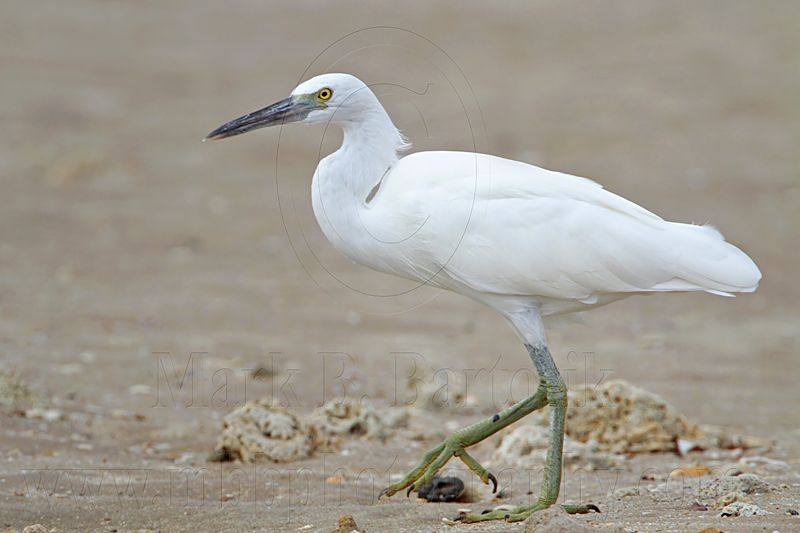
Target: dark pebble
pixel 442 489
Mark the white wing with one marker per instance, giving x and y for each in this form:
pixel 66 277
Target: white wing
pixel 560 236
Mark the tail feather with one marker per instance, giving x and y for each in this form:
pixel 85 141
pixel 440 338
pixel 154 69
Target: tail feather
pixel 707 262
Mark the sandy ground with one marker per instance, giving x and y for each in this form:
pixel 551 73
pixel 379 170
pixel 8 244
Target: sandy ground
pixel 129 251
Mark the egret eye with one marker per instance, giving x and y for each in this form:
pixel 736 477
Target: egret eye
pixel 325 94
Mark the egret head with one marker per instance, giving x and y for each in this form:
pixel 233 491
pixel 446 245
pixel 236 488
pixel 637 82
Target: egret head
pixel 336 98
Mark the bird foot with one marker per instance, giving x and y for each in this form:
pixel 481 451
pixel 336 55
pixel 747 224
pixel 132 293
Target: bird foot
pixel 520 513
pixel 433 461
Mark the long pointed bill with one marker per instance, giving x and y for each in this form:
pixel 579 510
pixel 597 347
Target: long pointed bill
pixel 290 109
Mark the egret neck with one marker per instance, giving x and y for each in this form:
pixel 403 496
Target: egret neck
pixel 348 180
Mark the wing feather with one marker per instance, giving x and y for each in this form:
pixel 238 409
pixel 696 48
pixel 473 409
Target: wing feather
pixel 559 236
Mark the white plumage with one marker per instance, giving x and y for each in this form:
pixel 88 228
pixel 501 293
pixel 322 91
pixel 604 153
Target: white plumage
pixel 499 231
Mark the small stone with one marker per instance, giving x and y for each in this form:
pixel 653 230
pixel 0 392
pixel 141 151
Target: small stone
pixel 792 512
pixel 347 524
pixel 48 415
pixel 746 442
pixel 140 389
pixel 442 489
pixel 692 471
pixel 685 446
pixel 728 498
pixel 337 479
pixel 625 492
pixel 741 509
pixel 728 489
pixel 730 470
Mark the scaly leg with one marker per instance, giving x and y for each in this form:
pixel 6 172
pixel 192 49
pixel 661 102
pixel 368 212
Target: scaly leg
pixel 456 444
pixel 556 393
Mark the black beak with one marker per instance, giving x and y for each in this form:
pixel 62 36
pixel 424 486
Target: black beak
pixel 288 110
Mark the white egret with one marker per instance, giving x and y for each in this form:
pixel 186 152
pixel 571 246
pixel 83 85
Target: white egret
pixel 526 241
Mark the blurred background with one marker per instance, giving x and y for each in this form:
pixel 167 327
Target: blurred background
pixel 123 236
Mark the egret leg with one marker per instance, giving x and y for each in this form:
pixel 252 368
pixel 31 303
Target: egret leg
pixel 455 445
pixel 556 397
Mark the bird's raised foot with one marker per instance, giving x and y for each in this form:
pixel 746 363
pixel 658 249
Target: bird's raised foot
pixel 520 513
pixel 433 461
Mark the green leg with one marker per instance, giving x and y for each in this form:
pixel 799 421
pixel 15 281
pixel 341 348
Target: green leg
pixel 556 393
pixel 455 444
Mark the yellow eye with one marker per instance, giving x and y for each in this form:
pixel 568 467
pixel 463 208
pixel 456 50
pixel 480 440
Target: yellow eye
pixel 325 94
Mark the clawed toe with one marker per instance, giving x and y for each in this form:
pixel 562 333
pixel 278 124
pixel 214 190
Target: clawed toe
pixel 494 482
pixel 434 461
pixel 581 509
